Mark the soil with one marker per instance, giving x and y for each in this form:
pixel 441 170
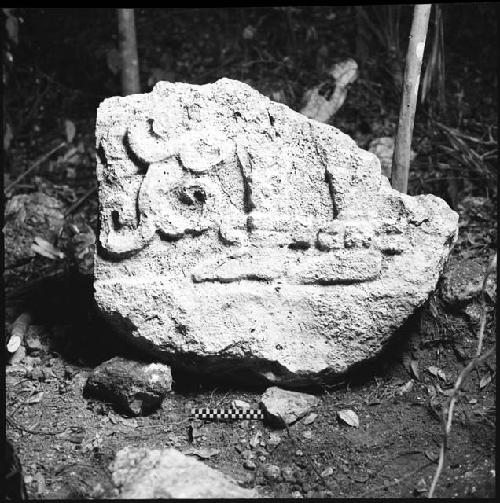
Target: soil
pixel 66 442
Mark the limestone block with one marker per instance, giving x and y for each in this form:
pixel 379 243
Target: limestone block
pixel 141 473
pixel 238 235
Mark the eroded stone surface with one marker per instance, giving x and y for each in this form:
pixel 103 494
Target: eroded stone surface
pixel 236 232
pixel 141 473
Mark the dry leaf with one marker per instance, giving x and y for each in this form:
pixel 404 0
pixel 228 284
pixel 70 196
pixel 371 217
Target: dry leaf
pixel 485 381
pixel 130 422
pixel 44 248
pixel 436 372
pixel 327 472
pixel 349 417
pixel 361 477
pixel 235 404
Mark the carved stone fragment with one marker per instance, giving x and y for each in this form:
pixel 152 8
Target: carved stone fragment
pixel 237 234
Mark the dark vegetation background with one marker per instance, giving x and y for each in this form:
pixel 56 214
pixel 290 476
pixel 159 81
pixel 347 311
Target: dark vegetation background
pixel 66 61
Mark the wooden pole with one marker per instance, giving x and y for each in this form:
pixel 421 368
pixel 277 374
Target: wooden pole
pixel 416 46
pixel 128 52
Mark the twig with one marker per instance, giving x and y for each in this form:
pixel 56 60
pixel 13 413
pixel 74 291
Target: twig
pixel 79 202
pixel 492 267
pixel 33 166
pixel 477 360
pixel 448 418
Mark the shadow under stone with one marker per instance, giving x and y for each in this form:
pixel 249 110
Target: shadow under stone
pixel 81 335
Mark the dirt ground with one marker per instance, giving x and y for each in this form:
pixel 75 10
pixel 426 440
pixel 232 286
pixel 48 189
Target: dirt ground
pixel 66 442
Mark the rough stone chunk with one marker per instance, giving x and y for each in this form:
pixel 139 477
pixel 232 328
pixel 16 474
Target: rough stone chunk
pixel 237 235
pixel 29 217
pixel 142 473
pixel 463 281
pixel 283 408
pixel 133 387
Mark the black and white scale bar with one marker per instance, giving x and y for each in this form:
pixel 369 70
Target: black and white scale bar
pixel 227 414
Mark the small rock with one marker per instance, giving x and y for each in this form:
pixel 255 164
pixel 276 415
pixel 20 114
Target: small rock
pixel 248 454
pixel 298 452
pixel 249 465
pixel 283 407
pixel 463 281
pixel 272 472
pixel 134 387
pixel 348 417
pixel 310 418
pixel 274 440
pixel 473 311
pixel 361 477
pixel 307 434
pixel 240 404
pixel 327 472
pixel 255 440
pixel 296 494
